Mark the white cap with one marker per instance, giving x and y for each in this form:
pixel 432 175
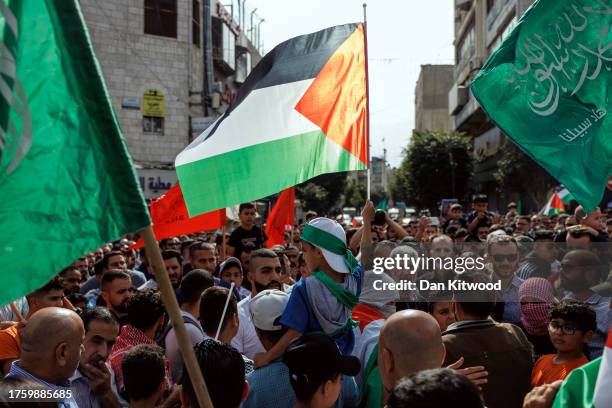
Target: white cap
pixel 335 261
pixel 267 308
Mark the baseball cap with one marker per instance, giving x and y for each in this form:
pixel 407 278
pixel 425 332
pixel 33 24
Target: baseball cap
pixel 314 357
pixel 230 261
pixel 330 226
pixel 267 308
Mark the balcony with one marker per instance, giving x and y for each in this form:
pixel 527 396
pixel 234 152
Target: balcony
pixel 463 4
pixel 471 119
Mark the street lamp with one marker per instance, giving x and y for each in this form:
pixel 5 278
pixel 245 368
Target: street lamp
pixel 251 28
pixel 258 32
pixel 242 16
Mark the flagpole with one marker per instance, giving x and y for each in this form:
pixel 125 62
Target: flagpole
pixel 169 299
pixel 229 296
pixel 365 48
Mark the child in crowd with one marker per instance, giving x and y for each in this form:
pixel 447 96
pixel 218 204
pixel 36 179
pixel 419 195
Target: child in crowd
pixel 323 301
pixel 572 324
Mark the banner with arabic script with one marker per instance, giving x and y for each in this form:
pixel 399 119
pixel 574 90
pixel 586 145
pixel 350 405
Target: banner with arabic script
pixel 549 88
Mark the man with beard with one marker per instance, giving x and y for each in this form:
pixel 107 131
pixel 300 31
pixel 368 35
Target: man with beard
pixel 72 280
pixel 502 252
pixel 111 260
pixel 264 273
pixel 147 313
pixel 92 382
pixel 174 267
pixel 581 270
pixel 116 293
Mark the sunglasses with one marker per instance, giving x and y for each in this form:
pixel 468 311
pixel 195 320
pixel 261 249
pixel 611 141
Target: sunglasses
pixel 502 257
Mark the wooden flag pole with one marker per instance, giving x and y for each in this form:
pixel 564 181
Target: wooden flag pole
pixel 365 49
pixel 171 304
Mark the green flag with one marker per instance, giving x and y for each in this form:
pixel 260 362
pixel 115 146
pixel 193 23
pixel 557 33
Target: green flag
pixel 67 183
pixel 383 204
pixel 549 88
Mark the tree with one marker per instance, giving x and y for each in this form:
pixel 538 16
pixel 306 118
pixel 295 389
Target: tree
pixel 518 172
pixel 354 194
pixel 321 193
pixel 436 165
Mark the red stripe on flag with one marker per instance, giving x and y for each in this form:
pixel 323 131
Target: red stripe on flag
pixel 282 214
pixel 170 217
pixel 336 99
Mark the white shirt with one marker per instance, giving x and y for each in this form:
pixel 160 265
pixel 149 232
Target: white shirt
pixel 246 340
pixel 173 352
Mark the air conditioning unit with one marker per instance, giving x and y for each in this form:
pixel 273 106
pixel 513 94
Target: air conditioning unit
pixel 216 100
pixel 457 99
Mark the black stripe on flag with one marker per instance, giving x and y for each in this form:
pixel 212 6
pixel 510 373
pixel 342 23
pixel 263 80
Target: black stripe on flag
pixel 294 60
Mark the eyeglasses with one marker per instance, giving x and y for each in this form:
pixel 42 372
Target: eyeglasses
pixel 563 329
pixel 508 257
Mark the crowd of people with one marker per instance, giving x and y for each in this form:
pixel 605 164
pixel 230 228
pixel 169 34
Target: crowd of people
pixel 305 325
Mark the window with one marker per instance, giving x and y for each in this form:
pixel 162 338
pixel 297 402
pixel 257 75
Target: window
pixel 153 124
pixel 195 23
pixel 224 44
pixel 160 17
pixel 466 48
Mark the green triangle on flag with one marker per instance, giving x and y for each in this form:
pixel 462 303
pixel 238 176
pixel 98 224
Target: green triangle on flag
pixel 67 180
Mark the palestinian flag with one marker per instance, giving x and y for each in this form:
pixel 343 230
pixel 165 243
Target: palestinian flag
pixel 554 205
pixel 565 195
pixel 301 112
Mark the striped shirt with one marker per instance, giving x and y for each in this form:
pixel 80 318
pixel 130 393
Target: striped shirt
pixel 19 372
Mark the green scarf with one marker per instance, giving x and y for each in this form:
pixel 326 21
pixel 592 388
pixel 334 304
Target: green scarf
pixel 333 244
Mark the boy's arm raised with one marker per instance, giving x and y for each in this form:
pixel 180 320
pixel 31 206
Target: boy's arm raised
pixel 262 359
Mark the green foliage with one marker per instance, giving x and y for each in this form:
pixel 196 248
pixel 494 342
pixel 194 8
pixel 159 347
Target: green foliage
pixel 518 172
pixel 322 193
pixel 436 165
pixel 354 194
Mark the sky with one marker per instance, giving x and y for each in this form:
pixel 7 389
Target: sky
pixel 402 36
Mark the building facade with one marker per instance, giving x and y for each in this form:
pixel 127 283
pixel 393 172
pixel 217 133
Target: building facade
pixel 431 98
pixel 164 88
pixel 480 26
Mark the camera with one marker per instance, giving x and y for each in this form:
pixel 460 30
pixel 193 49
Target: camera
pixel 379 218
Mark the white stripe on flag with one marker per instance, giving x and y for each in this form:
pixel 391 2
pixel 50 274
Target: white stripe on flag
pixel 265 115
